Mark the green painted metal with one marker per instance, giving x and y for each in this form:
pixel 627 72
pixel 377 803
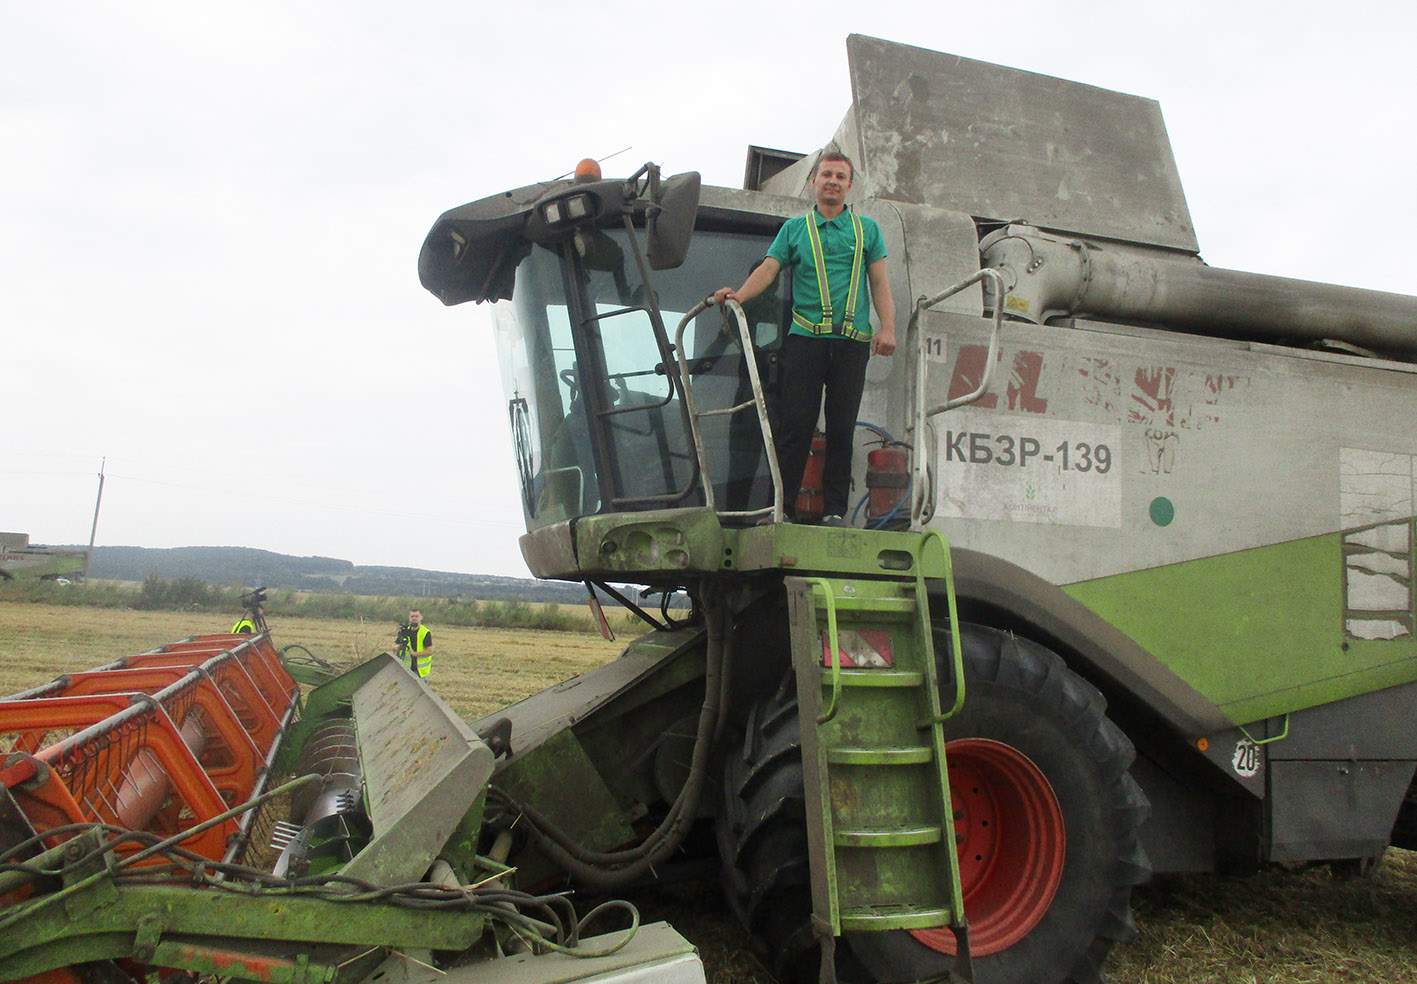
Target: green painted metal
pixel 880 918
pixel 880 756
pixel 902 837
pixel 881 678
pixel 880 821
pixel 330 700
pixel 567 788
pixel 103 921
pixel 668 540
pixel 1260 632
pixel 678 542
pixel 796 549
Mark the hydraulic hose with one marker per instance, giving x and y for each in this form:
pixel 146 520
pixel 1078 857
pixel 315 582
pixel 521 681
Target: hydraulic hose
pixel 607 870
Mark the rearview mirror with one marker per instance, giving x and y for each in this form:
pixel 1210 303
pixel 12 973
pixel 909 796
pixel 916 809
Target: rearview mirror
pixel 669 229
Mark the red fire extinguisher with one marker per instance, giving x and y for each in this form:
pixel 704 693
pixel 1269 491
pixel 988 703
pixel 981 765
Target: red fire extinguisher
pixel 888 489
pixel 811 500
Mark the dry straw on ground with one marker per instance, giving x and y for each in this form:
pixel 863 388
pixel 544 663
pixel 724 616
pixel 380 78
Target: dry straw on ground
pixel 1282 926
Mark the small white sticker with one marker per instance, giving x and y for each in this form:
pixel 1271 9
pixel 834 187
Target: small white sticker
pixel 935 348
pixel 1246 760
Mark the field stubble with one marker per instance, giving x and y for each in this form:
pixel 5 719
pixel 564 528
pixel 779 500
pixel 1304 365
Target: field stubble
pixel 1278 927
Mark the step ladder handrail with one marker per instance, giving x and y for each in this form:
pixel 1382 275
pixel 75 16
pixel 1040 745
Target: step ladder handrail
pixel 951 606
pixel 745 341
pixel 832 647
pixel 960 925
pixel 922 415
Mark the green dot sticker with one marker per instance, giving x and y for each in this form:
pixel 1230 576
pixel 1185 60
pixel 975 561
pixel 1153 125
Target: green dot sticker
pixel 1162 511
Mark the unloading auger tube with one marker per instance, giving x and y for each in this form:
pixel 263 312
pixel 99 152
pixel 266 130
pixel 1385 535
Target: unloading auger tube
pixel 1051 276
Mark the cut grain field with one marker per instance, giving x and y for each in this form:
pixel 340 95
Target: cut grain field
pixel 476 670
pixel 1278 927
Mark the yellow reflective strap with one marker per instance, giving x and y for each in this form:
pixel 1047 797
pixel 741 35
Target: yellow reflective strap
pixel 855 290
pixel 827 324
pixel 818 261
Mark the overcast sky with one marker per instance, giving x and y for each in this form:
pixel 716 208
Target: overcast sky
pixel 210 218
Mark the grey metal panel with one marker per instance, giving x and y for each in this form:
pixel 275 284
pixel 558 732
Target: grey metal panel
pixel 549 551
pixel 714 199
pixel 765 162
pixel 656 953
pixel 1000 143
pixel 1322 810
pixel 1179 836
pixel 1370 726
pixel 942 248
pixel 422 767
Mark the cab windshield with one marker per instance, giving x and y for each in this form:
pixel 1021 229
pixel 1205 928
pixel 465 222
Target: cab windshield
pixel 596 415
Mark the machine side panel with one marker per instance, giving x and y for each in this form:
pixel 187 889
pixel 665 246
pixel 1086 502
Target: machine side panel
pixel 1242 512
pixel 1334 809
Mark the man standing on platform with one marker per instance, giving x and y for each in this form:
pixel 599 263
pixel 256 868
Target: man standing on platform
pixel 837 259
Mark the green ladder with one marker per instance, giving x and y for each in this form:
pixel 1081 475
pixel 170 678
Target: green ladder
pixel 880 825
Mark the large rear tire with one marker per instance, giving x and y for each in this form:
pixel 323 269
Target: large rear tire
pixel 1047 819
pixel 762 837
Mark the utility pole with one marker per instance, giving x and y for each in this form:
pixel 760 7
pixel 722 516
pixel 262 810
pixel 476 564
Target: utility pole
pixel 93 531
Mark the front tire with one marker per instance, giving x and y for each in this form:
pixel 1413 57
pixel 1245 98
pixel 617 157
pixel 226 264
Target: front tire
pixel 1048 818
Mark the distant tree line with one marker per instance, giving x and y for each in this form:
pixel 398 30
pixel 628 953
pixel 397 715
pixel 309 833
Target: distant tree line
pixel 327 575
pixel 195 595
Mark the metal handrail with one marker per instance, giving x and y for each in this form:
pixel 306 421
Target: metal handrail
pixel 745 340
pixel 952 609
pixel 919 468
pixel 833 646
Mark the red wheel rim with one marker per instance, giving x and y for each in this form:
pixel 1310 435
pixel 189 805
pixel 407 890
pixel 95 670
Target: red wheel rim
pixel 1012 843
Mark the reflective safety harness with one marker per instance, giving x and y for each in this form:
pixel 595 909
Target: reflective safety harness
pixel 828 325
pixel 422 659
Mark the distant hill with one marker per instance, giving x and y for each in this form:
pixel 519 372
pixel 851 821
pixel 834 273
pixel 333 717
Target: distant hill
pixel 223 566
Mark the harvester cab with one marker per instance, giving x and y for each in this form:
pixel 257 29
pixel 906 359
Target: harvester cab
pixel 594 278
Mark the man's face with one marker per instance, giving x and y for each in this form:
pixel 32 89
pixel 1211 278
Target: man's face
pixel 832 182
pixel 415 618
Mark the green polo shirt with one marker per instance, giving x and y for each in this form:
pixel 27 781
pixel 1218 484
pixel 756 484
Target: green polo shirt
pixel 793 249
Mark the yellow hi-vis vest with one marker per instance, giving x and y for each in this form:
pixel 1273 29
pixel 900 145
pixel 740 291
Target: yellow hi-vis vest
pixel 422 659
pixel 828 325
pixel 245 626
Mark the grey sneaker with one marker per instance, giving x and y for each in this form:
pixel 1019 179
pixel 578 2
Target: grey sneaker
pixel 835 520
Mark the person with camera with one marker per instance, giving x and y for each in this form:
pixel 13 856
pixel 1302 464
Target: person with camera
pixel 415 642
pixel 253 618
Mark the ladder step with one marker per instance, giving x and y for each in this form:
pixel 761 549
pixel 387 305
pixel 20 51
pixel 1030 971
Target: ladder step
pixel 888 837
pixel 880 756
pixel 876 678
pixel 878 917
pixel 874 605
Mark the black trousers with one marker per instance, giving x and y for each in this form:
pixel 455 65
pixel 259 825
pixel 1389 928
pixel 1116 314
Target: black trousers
pixel 811 368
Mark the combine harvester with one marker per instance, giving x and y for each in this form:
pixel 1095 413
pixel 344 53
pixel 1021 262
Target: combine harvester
pixel 1174 631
